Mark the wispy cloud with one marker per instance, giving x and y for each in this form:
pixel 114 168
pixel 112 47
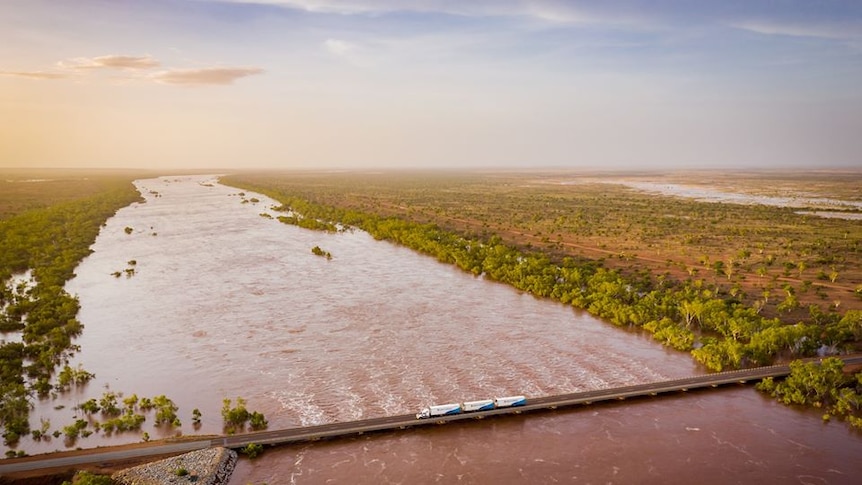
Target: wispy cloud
pixel 547 10
pixel 348 51
pixel 135 67
pixel 110 62
pixel 34 74
pixel 790 17
pixel 837 31
pixel 206 76
pixel 339 47
pixel 345 7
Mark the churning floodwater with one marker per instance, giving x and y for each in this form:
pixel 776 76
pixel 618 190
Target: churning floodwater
pixel 224 302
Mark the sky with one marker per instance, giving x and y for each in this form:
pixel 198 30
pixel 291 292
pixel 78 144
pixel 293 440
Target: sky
pixel 374 84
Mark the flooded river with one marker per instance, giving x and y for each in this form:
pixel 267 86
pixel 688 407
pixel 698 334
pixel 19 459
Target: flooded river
pixel 722 196
pixel 224 303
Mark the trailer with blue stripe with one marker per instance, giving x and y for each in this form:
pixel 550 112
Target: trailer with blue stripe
pixel 471 406
pixel 510 401
pixel 483 405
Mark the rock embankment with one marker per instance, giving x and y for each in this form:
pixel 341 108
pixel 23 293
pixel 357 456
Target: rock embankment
pixel 212 466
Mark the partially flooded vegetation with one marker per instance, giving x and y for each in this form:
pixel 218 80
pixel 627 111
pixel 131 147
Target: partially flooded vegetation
pixel 46 229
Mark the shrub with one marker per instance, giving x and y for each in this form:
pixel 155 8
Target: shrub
pixel 87 478
pixel 236 417
pixel 258 421
pixel 252 450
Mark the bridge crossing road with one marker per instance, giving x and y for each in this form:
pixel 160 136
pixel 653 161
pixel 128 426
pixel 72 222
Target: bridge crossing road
pixel 404 421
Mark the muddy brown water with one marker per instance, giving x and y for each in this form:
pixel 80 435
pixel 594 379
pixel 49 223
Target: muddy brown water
pixel 227 303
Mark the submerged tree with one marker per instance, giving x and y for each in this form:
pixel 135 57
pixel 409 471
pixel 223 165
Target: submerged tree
pixel 236 417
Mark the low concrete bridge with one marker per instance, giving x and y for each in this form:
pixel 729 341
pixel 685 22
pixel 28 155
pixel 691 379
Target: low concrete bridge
pixel 312 433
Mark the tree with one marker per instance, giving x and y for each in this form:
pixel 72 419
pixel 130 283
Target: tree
pixel 252 450
pixel 72 377
pixel 669 333
pixel 166 411
pixel 257 421
pixel 691 311
pixel 810 383
pixel 728 268
pixel 72 431
pixel 90 406
pixel 320 252
pixel 108 403
pixel 718 355
pixel 235 417
pixel 789 304
pixel 131 402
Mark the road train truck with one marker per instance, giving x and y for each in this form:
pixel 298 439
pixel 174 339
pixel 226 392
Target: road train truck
pixel 471 406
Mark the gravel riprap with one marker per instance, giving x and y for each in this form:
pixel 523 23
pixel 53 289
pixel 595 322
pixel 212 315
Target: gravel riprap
pixel 212 466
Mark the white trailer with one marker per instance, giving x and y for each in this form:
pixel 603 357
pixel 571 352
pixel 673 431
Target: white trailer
pixel 507 402
pixel 471 406
pixel 483 405
pixel 440 410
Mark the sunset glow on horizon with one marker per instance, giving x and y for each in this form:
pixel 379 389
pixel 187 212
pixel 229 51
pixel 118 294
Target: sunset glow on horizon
pixel 353 84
